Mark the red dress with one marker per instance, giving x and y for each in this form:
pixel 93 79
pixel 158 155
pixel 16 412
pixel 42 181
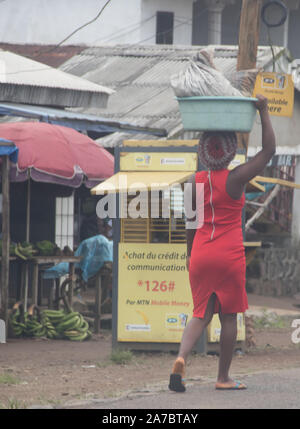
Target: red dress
pixel 217 263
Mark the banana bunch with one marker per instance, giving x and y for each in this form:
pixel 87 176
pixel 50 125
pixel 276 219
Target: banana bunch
pixel 71 326
pixel 48 323
pixel 34 328
pixel 17 320
pixel 49 328
pixel 25 250
pixel 38 324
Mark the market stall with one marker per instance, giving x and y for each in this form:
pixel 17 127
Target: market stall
pixel 52 154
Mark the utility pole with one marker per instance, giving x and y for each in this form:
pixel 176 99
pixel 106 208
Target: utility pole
pixel 4 287
pixel 248 43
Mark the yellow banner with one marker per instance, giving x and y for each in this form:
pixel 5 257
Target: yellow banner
pixel 158 161
pixel 279 89
pixel 154 297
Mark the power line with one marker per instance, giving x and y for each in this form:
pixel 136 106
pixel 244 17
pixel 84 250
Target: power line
pixel 117 34
pixel 84 25
pixel 75 31
pixel 188 22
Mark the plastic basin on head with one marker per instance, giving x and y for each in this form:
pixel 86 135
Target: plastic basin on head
pixel 217 113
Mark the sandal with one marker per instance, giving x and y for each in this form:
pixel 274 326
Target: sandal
pixel 177 382
pixel 237 386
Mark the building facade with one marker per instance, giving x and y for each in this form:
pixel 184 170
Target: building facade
pixel 178 22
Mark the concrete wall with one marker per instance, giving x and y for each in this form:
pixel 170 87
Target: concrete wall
pixel 122 21
pixel 183 13
pixel 296 207
pixel 294 29
pixel 275 272
pixel 231 23
pixel 127 21
pixel 49 22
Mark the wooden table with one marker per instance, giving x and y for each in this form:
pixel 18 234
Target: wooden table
pixel 36 261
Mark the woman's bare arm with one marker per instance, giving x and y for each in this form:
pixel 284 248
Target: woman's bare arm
pixel 242 174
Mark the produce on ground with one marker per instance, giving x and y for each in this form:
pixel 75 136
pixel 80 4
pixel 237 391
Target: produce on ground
pixel 53 324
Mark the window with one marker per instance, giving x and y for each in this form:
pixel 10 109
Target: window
pixel 164 28
pixel 64 225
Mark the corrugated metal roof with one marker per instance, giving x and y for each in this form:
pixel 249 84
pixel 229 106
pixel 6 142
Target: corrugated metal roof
pixel 79 121
pixel 140 76
pixel 109 71
pixel 27 81
pixel 128 100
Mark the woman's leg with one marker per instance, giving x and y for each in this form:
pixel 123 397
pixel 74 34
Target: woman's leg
pixel 194 329
pixel 227 343
pixel 190 336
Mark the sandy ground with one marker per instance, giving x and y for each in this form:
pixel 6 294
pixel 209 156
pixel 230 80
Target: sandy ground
pixel 56 372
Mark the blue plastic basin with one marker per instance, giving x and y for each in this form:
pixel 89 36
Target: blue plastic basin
pixel 217 113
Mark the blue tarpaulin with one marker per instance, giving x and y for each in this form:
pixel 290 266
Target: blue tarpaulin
pixel 11 150
pixel 94 252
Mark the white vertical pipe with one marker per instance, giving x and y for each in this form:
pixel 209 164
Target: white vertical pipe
pixel 215 9
pixel 286 30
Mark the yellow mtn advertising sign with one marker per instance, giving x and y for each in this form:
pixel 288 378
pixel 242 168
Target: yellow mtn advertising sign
pixel 154 296
pixel 279 90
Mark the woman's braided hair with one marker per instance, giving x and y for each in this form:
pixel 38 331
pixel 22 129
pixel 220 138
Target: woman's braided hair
pixel 217 149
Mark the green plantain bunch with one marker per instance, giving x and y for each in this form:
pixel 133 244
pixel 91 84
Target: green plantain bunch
pixel 52 324
pixel 24 250
pixel 70 325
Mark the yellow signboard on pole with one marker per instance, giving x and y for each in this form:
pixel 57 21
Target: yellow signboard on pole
pixel 154 297
pixel 279 90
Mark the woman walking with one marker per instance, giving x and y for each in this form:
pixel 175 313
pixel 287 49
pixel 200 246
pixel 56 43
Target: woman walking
pixel 215 252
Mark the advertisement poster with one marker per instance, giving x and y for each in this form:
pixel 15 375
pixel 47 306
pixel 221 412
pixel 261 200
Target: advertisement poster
pixel 158 161
pixel 279 90
pixel 154 298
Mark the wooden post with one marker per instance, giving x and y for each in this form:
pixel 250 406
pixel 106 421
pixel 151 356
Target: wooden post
pixel 72 282
pixel 249 34
pixel 97 320
pixel 5 240
pixel 27 238
pixel 248 43
pixel 35 283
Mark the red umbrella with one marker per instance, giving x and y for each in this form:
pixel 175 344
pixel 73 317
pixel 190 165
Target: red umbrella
pixel 56 154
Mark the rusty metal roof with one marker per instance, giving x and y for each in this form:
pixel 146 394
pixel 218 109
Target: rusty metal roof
pixel 51 55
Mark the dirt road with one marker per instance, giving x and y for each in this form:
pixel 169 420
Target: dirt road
pixel 65 374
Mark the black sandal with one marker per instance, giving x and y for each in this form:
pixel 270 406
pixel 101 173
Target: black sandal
pixel 176 383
